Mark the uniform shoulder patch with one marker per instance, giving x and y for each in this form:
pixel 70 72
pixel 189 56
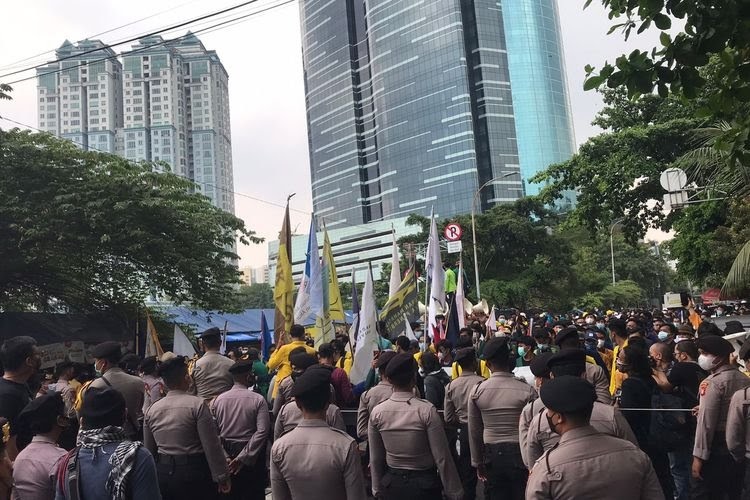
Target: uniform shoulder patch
pixel 703 387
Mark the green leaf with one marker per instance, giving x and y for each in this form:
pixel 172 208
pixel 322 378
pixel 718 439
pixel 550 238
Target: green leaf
pixel 665 39
pixel 593 82
pixel 662 21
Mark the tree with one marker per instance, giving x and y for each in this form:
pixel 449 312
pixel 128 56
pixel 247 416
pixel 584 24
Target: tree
pixel 255 296
pixel 82 231
pixel 5 91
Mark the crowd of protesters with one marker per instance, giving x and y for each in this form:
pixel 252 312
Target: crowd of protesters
pixel 603 404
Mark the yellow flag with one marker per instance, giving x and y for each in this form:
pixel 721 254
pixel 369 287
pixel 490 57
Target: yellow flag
pixel 283 292
pixel 153 346
pixel 335 307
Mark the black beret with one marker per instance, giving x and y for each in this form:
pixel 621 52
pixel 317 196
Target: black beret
pixel 400 364
pixel 40 410
pixel 101 405
pixel 241 367
pixel 465 353
pixel 566 333
pixel 107 350
pixel 733 326
pixel 570 356
pixel 384 358
pixel 568 394
pixel 496 347
pixel 539 365
pixel 718 346
pixel 315 378
pixel 170 365
pixel 211 332
pixel 302 360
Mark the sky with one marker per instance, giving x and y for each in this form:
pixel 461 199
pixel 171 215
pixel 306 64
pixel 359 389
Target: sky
pixel 263 57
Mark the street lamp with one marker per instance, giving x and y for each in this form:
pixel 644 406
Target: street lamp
pixel 473 223
pixel 612 246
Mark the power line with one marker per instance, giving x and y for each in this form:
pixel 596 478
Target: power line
pixel 164 42
pixel 134 39
pixel 18 62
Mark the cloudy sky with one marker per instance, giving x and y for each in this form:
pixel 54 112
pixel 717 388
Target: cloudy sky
pixel 263 58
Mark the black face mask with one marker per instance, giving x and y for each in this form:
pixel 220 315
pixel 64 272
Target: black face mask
pixel 294 375
pixel 549 422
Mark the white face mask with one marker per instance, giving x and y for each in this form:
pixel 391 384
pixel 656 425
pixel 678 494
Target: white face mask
pixel 600 326
pixel 589 321
pixel 600 343
pixel 681 338
pixel 707 361
pixel 500 334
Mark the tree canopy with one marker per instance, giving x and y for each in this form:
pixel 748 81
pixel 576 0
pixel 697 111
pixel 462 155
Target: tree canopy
pixel 82 230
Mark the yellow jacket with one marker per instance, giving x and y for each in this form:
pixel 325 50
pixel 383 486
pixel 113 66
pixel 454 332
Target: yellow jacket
pixel 345 362
pixel 615 377
pixel 483 370
pixel 280 360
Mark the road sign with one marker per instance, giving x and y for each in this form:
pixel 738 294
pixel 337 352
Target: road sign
pixel 453 232
pixel 673 179
pixel 454 246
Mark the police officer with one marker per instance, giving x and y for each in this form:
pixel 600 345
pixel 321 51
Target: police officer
pixel 375 395
pixel 245 427
pixel 180 431
pixel 211 372
pixel 456 415
pixel 586 463
pixel 315 461
pixel 738 424
pixel 604 418
pixel 540 370
pixel 409 454
pixel 568 338
pixel 495 408
pixel 107 356
pixel 299 360
pixel 714 471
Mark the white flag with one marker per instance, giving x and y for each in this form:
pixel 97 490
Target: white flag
pixel 460 310
pixel 492 321
pixel 367 335
pixel 309 304
pixel 181 346
pixel 395 281
pixel 437 281
pixel 409 332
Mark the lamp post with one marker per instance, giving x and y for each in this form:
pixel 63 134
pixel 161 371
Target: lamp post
pixel 612 246
pixel 473 224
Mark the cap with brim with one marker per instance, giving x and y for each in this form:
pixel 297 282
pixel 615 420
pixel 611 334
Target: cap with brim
pixel 539 365
pixel 400 364
pixel 302 360
pixel 685 329
pixel 465 354
pixel 107 350
pixel 733 326
pixel 565 334
pixel 495 348
pixel 315 378
pixel 568 394
pixel 384 358
pixel 713 344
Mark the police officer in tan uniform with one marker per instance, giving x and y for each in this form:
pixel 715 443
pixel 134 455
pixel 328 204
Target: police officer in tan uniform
pixel 495 408
pixel 586 464
pixel 540 370
pixel 375 395
pixel 604 418
pixel 409 454
pixel 714 472
pixel 211 374
pixel 456 415
pixel 568 338
pixel 738 424
pixel 181 434
pixel 284 391
pixel 315 461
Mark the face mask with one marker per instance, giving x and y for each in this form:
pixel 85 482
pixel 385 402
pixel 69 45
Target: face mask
pixel 600 326
pixel 549 422
pixel 499 334
pixel 707 361
pixel 600 343
pixel 589 321
pixel 98 371
pixel 542 346
pixel 663 336
pixel 521 351
pixel 421 346
pixel 422 373
pixel 681 338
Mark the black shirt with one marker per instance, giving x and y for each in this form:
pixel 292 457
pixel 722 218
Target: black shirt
pixel 687 376
pixel 13 398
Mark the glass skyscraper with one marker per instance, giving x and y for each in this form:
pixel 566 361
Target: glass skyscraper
pixel 410 106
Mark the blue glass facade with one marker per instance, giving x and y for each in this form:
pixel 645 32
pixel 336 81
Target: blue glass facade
pixel 540 93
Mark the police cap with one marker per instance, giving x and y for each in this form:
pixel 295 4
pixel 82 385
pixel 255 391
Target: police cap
pixel 171 365
pixel 568 394
pixel 315 378
pixel 384 358
pixel 302 360
pixel 40 414
pixel 400 364
pixel 539 365
pixel 565 334
pixel 211 332
pixel 496 348
pixel 241 367
pixel 107 350
pixel 713 344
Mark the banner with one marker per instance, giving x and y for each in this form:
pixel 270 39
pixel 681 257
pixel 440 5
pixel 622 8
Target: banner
pixel 334 304
pixel 52 354
pixel 367 335
pixel 153 346
pixel 265 338
pixel 403 302
pixel 283 291
pixel 395 281
pixel 309 304
pixel 434 269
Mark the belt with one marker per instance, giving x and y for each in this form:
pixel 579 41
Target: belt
pixel 408 473
pixel 194 459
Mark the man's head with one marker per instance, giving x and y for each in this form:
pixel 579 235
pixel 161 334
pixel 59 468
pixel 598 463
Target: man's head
pixel 325 355
pixel 568 338
pixel 44 414
pixel 661 353
pixel 569 402
pixel 526 345
pixel 297 332
pixel 568 361
pixel 497 354
pixel 465 336
pixel 174 373
pixel 381 363
pixel 253 354
pixel 64 370
pixel 402 343
pixel 20 356
pixel 686 351
pixel 106 355
pixel 242 372
pixel 148 366
pixel 619 331
pixel 102 408
pixel 634 327
pixel 467 359
pixel 211 339
pixel 312 391
pixel 429 362
pixel 542 336
pixel 300 362
pixel 401 371
pixel 714 352
pixel 382 329
pixel 539 367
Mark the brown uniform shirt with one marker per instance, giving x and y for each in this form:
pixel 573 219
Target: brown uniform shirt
pixel 283 395
pixel 181 424
pixel 242 417
pixel 211 375
pixel 456 402
pixel 715 392
pixel 406 432
pixel 588 465
pixel 495 408
pixel 598 378
pixel 316 462
pixel 290 417
pixel 368 401
pixel 738 432
pixel 527 415
pixel 131 388
pixel 604 418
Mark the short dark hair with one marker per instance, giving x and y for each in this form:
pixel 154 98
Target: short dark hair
pixel 297 331
pixel 15 351
pixel 572 369
pixel 173 377
pixel 315 400
pixel 637 358
pixel 429 362
pixel 325 351
pixel 579 417
pixel 253 354
pixel 297 350
pixel 688 347
pixel 63 367
pixel 148 365
pixel 211 341
pixel 708 328
pixel 403 342
pixel 618 328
